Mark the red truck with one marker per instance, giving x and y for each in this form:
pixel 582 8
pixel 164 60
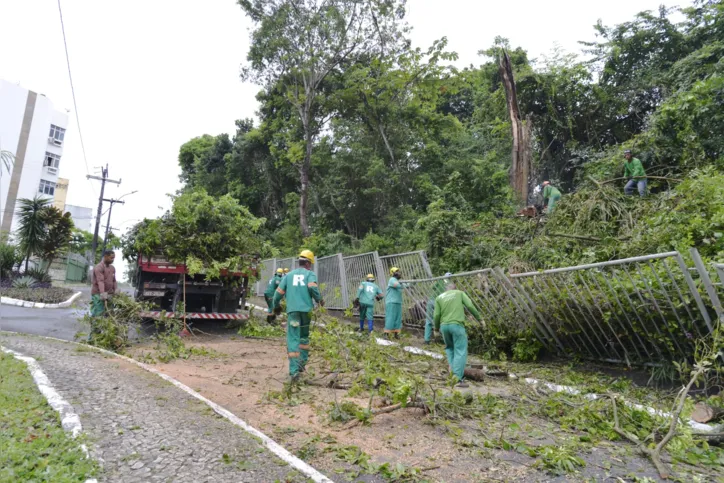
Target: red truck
pixel 166 285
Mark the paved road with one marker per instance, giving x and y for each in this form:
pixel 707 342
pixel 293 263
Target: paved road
pixel 143 429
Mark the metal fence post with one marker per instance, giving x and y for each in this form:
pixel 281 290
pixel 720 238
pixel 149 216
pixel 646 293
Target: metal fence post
pixel 704 275
pixel 423 257
pixel 694 291
pixel 343 281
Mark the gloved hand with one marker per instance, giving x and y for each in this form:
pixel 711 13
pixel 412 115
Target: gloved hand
pixel 356 302
pixel 277 310
pixel 321 303
pixel 104 296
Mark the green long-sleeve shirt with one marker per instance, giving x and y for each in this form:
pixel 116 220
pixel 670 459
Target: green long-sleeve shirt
pixel 550 191
pixel 394 291
pixel 368 292
pixel 271 287
pixel 450 308
pixel 633 169
pixel 300 288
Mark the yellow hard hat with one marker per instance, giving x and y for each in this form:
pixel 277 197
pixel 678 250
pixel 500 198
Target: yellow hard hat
pixel 393 270
pixel 280 270
pixel 307 254
pixel 286 270
pixel 370 276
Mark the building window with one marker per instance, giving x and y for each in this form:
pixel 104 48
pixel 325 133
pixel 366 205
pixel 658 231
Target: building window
pixel 47 187
pixel 57 134
pixel 52 160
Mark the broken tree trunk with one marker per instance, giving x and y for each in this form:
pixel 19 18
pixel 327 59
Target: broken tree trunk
pixel 522 133
pixel 703 413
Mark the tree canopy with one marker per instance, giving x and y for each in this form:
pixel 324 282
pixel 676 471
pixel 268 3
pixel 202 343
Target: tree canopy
pixel 404 151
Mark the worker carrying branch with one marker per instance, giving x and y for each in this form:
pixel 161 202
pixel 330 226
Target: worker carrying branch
pixel 450 321
pixel 634 171
pixel 551 195
pixel 301 290
pixel 271 288
pixel 367 294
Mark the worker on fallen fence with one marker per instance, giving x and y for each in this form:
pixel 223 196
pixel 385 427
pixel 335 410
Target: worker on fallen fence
pixel 103 287
pixel 367 294
pixel 634 170
pixel 437 289
pixel 300 288
pixel 551 195
pixel 393 304
pixel 450 321
pixel 271 288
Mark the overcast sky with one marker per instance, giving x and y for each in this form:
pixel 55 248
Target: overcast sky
pixel 151 74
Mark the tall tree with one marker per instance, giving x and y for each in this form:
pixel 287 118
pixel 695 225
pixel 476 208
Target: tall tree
pixel 297 44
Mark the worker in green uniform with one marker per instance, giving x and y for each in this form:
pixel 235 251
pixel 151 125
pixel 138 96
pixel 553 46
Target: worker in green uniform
pixel 393 304
pixel 551 195
pixel 450 320
pixel 271 288
pixel 437 289
pixel 368 293
pixel 301 290
pixel 634 171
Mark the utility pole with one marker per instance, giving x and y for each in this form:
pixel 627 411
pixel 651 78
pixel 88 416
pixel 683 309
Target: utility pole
pixel 103 179
pixel 108 224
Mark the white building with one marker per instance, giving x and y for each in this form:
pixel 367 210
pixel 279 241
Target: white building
pixel 33 130
pixel 82 217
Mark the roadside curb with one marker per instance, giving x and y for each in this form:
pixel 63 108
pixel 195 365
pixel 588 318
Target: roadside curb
pixel 40 305
pixel 265 440
pixel 69 419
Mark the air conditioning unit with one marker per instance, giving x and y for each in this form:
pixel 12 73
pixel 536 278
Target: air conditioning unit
pixel 57 142
pixel 52 170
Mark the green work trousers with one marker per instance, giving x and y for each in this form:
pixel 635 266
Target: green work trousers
pixel 366 312
pixel 393 318
pixel 429 314
pixel 456 348
pixel 552 201
pixel 297 341
pixel 97 309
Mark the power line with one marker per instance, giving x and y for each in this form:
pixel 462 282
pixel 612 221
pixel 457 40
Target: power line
pixel 72 90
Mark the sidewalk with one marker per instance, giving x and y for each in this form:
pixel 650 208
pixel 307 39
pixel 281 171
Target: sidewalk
pixel 141 428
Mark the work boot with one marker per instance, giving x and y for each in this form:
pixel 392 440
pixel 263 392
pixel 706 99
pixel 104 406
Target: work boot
pixel 427 342
pixel 397 335
pixel 462 384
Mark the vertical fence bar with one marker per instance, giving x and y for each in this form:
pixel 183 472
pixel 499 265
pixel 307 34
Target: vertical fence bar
pixel 694 292
pixel 681 298
pixel 343 281
pixel 704 276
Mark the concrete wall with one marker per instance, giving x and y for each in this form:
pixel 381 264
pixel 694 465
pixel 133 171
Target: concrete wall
pixel 13 99
pixel 82 216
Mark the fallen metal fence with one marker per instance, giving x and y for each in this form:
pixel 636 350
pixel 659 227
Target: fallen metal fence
pixel 339 276
pixel 636 310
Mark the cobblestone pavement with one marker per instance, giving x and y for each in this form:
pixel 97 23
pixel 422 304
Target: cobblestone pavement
pixel 143 429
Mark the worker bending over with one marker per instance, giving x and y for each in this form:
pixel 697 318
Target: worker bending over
pixel 300 288
pixel 393 304
pixel 634 171
pixel 271 288
pixel 367 294
pixel 437 289
pixel 450 320
pixel 551 195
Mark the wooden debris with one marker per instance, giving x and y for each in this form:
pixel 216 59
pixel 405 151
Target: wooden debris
pixel 703 413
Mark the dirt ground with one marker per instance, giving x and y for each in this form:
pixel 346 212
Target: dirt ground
pixel 247 375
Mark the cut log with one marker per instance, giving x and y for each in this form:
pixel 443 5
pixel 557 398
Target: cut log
pixel 475 374
pixel 703 413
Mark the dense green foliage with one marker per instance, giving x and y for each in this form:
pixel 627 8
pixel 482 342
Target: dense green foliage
pixel 34 446
pixel 207 234
pixel 415 152
pixel 81 242
pixel 43 230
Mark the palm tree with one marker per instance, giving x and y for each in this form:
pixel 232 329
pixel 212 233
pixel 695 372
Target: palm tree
pixel 31 222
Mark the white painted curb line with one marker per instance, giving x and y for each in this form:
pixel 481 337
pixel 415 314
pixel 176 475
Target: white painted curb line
pixel 270 444
pixel 39 305
pixel 69 420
